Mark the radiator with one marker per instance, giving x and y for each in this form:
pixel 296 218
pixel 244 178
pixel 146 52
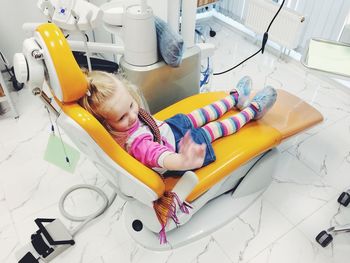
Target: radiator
pixel 287 28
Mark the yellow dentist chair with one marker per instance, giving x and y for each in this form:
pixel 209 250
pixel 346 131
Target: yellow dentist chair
pixel 217 193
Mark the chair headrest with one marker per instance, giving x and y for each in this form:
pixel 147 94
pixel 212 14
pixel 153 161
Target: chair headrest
pixel 67 81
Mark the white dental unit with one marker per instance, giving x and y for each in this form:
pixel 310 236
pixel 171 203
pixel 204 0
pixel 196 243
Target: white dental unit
pixel 139 63
pixel 218 192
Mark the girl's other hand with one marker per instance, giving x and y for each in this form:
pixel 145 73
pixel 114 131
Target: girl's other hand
pixel 193 154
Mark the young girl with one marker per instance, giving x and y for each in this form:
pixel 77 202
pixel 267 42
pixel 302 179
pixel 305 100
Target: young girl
pixel 180 143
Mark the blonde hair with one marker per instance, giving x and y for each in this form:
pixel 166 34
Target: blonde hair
pixel 101 86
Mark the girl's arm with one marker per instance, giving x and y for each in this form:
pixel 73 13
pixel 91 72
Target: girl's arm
pixel 147 151
pixel 153 154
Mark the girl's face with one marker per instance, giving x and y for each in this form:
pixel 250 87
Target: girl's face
pixel 120 110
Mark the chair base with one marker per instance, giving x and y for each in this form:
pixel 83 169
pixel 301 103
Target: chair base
pixel 204 222
pixel 210 211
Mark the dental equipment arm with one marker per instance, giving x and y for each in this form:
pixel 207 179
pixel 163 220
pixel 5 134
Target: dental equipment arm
pixel 96 47
pixel 71 14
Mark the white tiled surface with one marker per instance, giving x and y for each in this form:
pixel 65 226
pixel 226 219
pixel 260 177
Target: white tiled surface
pixel 279 227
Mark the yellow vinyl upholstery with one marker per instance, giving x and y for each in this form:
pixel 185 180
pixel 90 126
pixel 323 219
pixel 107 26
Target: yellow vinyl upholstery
pixel 68 72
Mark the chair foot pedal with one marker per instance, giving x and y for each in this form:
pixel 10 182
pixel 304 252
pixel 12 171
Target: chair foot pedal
pixel 344 199
pixel 324 239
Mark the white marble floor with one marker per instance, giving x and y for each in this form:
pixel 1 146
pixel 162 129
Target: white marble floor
pixel 279 227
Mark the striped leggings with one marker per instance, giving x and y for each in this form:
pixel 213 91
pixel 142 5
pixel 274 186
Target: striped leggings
pixel 204 117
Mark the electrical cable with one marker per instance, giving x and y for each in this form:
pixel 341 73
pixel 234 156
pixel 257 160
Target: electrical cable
pixel 87 37
pixel 52 126
pixel 206 74
pixel 63 147
pixel 11 72
pixel 6 64
pixel 262 49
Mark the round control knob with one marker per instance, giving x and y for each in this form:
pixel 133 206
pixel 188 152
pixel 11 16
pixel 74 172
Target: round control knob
pixel 20 67
pixel 137 225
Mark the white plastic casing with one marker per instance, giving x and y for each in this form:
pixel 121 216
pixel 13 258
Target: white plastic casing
pixel 22 62
pixel 140 37
pixel 20 67
pixel 185 185
pixel 113 13
pixel 188 21
pixel 174 14
pixel 139 32
pixel 66 11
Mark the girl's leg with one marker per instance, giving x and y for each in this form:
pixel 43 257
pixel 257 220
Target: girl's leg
pixel 238 97
pixel 218 129
pixel 260 104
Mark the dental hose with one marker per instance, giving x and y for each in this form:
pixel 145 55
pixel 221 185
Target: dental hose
pixel 85 219
pixel 262 49
pixel 107 202
pixel 87 52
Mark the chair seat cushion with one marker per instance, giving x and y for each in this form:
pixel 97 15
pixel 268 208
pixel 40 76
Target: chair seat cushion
pixel 287 117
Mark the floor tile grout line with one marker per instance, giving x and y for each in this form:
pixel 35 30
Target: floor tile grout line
pixel 294 227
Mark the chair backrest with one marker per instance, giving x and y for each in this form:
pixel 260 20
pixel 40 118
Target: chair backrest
pixel 68 84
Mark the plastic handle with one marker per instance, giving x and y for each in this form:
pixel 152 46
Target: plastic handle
pixel 185 185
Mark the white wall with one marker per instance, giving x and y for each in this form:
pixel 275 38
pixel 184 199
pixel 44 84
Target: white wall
pixel 13 13
pixel 324 18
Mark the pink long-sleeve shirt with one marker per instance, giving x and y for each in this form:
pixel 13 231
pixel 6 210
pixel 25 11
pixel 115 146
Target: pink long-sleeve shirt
pixel 141 146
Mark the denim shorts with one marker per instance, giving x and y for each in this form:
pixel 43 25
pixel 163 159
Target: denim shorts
pixel 179 125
